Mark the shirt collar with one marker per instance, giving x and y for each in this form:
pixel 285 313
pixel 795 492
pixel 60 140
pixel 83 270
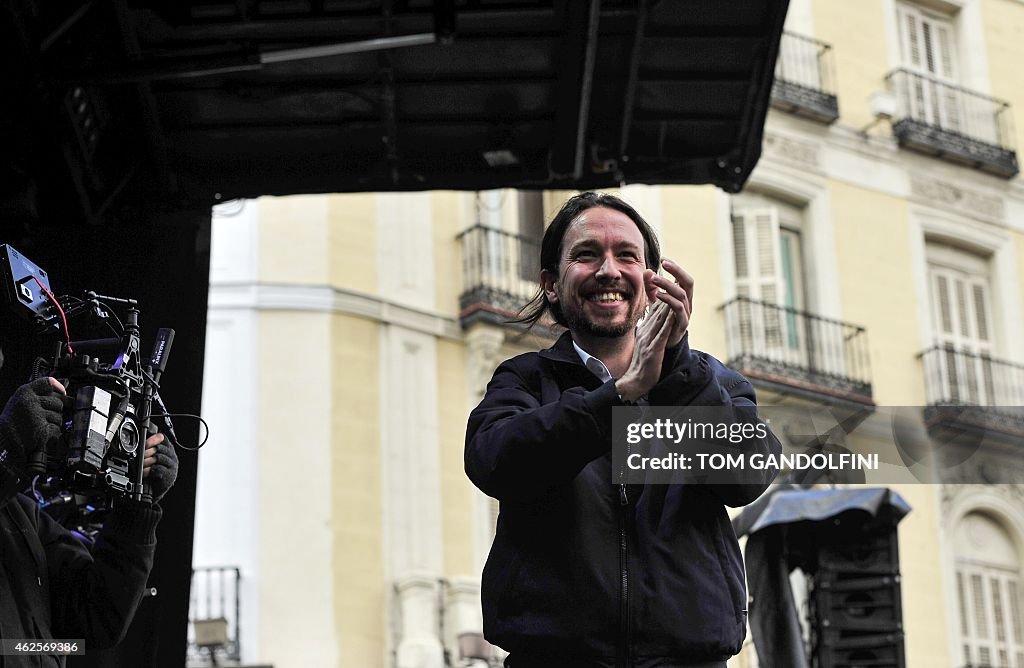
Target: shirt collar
pixel 595 365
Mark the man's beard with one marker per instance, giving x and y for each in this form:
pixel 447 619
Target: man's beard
pixel 578 321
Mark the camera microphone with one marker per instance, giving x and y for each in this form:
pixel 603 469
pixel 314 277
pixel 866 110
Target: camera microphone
pixel 161 350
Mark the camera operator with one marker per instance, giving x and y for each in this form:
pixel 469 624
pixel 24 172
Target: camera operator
pixel 51 585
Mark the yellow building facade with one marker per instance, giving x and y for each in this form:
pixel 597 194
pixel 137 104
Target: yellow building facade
pixel 875 257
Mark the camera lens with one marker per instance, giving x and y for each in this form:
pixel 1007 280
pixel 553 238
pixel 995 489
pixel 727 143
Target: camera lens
pixel 128 435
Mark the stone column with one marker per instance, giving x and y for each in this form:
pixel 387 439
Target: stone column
pixel 419 601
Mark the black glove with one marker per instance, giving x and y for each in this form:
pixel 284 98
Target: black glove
pixel 31 421
pixel 164 471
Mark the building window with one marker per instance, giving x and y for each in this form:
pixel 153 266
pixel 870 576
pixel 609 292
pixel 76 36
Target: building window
pixel 768 256
pixel 501 256
pixel 988 594
pixel 928 49
pixel 531 231
pixel 938 112
pixel 962 323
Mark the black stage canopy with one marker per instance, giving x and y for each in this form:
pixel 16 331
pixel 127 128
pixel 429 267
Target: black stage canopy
pixel 188 103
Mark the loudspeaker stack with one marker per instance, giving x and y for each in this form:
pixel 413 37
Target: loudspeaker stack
pixel 855 600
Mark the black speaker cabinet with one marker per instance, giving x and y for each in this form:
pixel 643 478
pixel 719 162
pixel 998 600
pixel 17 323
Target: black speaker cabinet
pixel 862 651
pixel 876 552
pixel 856 607
pixel 859 605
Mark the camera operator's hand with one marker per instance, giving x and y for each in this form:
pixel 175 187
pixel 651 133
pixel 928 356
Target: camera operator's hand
pixel 159 465
pixel 32 420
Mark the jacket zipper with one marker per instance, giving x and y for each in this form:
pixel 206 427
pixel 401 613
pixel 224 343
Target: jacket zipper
pixel 624 644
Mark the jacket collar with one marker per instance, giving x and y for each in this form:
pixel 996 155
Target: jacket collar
pixel 562 351
pixel 569 370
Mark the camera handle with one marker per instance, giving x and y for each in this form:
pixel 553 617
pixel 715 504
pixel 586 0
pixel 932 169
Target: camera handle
pixel 36 464
pixel 151 374
pixel 141 491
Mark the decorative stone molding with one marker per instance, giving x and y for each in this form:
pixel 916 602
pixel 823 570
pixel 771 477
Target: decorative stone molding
pixel 793 151
pixel 483 356
pixel 331 299
pixel 462 612
pixel 418 622
pixel 950 492
pixel 943 194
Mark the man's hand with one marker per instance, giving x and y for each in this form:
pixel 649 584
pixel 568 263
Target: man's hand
pixel 159 465
pixel 678 295
pixel 32 419
pixel 664 327
pixel 644 370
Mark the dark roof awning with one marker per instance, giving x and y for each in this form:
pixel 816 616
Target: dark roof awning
pixel 216 99
pixel 808 507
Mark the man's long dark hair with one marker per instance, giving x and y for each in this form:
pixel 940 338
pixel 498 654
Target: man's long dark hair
pixel 551 247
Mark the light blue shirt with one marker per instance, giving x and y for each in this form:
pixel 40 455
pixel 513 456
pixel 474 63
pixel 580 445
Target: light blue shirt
pixel 595 365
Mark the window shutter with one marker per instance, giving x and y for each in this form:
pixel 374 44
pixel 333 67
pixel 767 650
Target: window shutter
pixel 944 306
pixel 989 610
pixel 531 231
pixel 963 604
pixel 745 312
pixel 997 610
pixel 944 47
pixel 980 299
pixel 739 245
pixel 928 48
pixel 927 43
pixel 759 277
pixel 963 314
pixel 961 309
pixel 980 618
pixel 756 251
pixel 962 325
pixel 909 40
pixel 1014 597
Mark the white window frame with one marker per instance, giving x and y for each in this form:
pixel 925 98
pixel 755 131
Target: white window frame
pixel 990 501
pixel 1005 296
pixel 964 279
pixel 971 65
pixel 989 618
pixel 771 334
pixel 967 573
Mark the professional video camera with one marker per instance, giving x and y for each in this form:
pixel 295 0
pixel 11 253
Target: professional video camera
pixel 111 390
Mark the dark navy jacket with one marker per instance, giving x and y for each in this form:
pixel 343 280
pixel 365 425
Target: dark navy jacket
pixel 52 586
pixel 575 575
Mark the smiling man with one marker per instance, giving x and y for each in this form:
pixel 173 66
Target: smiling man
pixel 584 572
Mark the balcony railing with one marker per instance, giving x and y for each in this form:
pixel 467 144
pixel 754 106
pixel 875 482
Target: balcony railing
pixel 214 600
pixel 500 272
pixel 798 350
pixel 973 393
pixel 956 377
pixel 942 119
pixel 803 78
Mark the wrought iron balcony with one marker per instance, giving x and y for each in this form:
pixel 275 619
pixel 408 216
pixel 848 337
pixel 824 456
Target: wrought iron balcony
pixel 954 123
pixel 956 377
pixel 803 78
pixel 213 616
pixel 971 392
pixel 500 271
pixel 795 351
